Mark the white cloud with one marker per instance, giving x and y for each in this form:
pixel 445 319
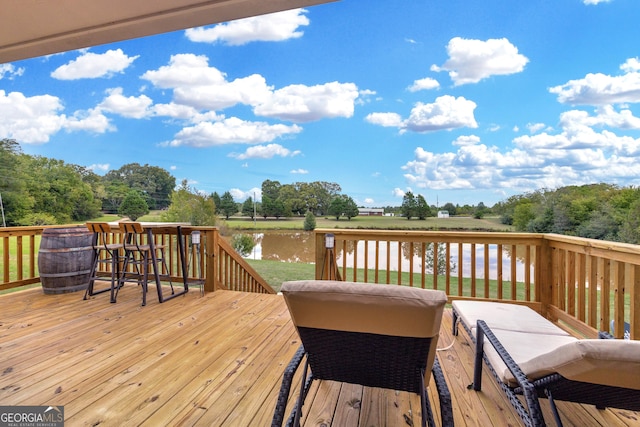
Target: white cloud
pixel 30 119
pixel 91 121
pixel 240 195
pixel 595 1
pixel 92 65
pixel 265 152
pixel 601 89
pixel 473 60
pixel 272 27
pixel 466 140
pixel 576 155
pixel 300 103
pixel 33 120
pixel 131 107
pixel 445 113
pixel 299 171
pixel 99 167
pixel 632 65
pixel 424 84
pixel 197 85
pixel 397 192
pixel 10 72
pixel 229 131
pixel 369 201
pixel 535 127
pixel 385 119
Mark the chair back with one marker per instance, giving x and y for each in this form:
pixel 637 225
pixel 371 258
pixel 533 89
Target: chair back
pixel 133 232
pixel 369 334
pixel 102 232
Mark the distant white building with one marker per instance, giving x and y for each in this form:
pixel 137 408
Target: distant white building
pixel 370 211
pixel 443 214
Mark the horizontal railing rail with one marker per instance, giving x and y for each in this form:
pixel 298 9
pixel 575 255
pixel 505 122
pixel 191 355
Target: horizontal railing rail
pixel 212 263
pixel 551 273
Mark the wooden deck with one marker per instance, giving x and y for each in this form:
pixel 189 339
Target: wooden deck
pixel 215 360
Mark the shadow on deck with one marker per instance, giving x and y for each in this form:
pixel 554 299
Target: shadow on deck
pixel 215 360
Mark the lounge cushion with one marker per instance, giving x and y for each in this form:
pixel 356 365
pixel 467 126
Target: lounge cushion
pixel 523 347
pixel 505 316
pixel 599 361
pixel 365 307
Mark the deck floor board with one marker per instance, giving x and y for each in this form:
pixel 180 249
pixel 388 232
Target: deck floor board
pixel 215 360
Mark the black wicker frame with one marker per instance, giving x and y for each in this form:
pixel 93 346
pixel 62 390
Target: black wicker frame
pixel 397 363
pixel 554 387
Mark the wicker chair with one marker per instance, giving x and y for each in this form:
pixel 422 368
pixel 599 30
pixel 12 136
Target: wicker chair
pixel 367 334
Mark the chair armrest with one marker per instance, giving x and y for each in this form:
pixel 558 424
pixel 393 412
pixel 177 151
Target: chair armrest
pixel 482 331
pixel 527 389
pixel 285 388
pixel 444 396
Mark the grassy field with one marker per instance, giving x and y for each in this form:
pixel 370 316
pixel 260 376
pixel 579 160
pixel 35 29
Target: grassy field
pixel 371 222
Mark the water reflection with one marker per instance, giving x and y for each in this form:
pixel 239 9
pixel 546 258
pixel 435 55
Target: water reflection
pixel 298 246
pixel 285 246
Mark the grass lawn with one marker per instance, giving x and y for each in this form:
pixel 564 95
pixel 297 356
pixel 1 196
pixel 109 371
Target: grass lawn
pixel 370 222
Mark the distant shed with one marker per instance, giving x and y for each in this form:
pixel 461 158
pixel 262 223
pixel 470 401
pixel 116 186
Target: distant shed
pixel 370 211
pixel 443 214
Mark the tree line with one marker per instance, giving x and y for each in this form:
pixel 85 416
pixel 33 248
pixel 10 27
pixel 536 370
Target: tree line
pixel 597 211
pixel 287 200
pixel 37 190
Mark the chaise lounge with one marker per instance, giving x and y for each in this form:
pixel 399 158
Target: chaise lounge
pixel 530 357
pixel 368 334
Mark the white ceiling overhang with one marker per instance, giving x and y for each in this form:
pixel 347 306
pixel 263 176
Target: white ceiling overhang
pixel 31 28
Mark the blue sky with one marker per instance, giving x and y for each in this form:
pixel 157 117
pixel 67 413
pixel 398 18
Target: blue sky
pixel 460 101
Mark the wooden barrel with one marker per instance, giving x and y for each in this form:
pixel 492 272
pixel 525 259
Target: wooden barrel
pixel 64 259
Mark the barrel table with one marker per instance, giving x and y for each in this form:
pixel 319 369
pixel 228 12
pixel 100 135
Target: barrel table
pixel 64 259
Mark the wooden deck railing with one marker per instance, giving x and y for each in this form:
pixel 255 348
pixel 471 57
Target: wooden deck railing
pixel 549 272
pixel 213 263
pixel 586 285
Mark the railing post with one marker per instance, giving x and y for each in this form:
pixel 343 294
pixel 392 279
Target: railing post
pixel 544 275
pixel 211 243
pixel 320 254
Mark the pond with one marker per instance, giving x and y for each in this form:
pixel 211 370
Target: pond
pixel 299 246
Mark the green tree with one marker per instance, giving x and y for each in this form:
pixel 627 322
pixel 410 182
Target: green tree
pixel 16 199
pixel 248 208
pixel 480 211
pixel 115 192
pixel 154 183
pixel 522 215
pixel 189 205
pixel 309 221
pixel 133 206
pixel 350 208
pixel 449 207
pixel 242 243
pixel 408 205
pixel 337 207
pixel 422 208
pixel 228 206
pixel 58 189
pixel 216 200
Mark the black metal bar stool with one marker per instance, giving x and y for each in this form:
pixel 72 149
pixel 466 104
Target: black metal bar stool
pixel 104 253
pixel 139 255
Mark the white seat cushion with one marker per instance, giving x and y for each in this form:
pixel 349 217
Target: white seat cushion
pixel 505 316
pixel 523 347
